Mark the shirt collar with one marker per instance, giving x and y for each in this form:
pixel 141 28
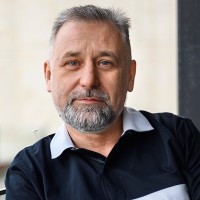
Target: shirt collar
pixel 135 120
pixel 132 120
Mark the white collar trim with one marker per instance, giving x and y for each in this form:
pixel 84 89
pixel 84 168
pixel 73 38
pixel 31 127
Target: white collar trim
pixel 132 120
pixel 135 120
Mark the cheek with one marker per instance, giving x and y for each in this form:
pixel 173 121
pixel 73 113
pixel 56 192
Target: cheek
pixel 62 83
pixel 59 92
pixel 117 89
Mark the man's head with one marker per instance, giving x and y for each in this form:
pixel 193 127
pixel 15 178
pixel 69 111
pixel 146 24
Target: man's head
pixel 91 13
pixel 90 70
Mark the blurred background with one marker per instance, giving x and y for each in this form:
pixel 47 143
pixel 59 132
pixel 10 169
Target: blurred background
pixel 26 109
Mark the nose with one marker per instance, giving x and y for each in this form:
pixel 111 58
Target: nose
pixel 89 76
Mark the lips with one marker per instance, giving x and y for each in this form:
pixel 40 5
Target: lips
pixel 89 100
pixel 88 97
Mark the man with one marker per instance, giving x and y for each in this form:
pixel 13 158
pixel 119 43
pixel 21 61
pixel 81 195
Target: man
pixel 104 150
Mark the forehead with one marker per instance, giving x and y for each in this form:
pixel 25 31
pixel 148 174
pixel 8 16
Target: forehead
pixel 103 33
pixel 75 28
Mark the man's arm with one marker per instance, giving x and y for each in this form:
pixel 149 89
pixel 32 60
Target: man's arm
pixel 19 182
pixel 188 137
pixel 192 161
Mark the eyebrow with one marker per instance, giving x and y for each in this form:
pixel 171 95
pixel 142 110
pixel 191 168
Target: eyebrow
pixel 71 54
pixel 107 53
pixel 100 54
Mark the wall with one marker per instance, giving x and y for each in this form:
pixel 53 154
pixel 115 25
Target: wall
pixel 25 28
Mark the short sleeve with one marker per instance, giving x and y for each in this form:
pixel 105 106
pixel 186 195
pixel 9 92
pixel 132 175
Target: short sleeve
pixel 19 182
pixel 189 136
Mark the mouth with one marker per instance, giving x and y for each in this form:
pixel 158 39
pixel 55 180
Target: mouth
pixel 88 100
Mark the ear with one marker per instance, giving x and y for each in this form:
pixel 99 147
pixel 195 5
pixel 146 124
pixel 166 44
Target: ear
pixel 47 74
pixel 131 75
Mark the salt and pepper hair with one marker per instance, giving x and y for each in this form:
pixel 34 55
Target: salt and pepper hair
pixel 92 13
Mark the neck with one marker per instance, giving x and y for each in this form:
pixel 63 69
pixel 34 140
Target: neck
pixel 102 142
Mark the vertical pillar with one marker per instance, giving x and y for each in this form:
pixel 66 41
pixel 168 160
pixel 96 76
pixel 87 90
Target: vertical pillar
pixel 189 59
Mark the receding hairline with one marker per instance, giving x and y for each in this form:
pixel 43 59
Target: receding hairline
pixel 52 45
pixel 92 13
pixel 95 14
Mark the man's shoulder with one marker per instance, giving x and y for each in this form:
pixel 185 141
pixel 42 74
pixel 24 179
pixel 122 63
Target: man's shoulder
pixel 40 145
pixel 163 116
pixel 36 152
pixel 175 123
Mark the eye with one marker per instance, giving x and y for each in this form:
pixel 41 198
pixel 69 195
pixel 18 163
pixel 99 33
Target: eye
pixel 105 63
pixel 73 63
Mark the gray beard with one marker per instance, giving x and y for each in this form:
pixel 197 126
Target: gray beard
pixel 86 118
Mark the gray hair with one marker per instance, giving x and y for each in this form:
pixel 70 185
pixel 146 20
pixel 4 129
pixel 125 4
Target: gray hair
pixel 92 13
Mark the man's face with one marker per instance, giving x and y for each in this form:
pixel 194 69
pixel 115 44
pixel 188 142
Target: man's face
pixel 89 74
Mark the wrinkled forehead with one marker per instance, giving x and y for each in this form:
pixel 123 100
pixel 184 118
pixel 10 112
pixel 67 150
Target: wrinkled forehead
pixel 75 35
pixel 84 34
pixel 89 30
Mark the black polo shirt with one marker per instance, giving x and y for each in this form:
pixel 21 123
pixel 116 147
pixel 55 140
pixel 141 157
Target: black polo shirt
pixel 163 164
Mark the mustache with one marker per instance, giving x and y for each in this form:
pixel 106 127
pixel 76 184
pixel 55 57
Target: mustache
pixel 96 93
